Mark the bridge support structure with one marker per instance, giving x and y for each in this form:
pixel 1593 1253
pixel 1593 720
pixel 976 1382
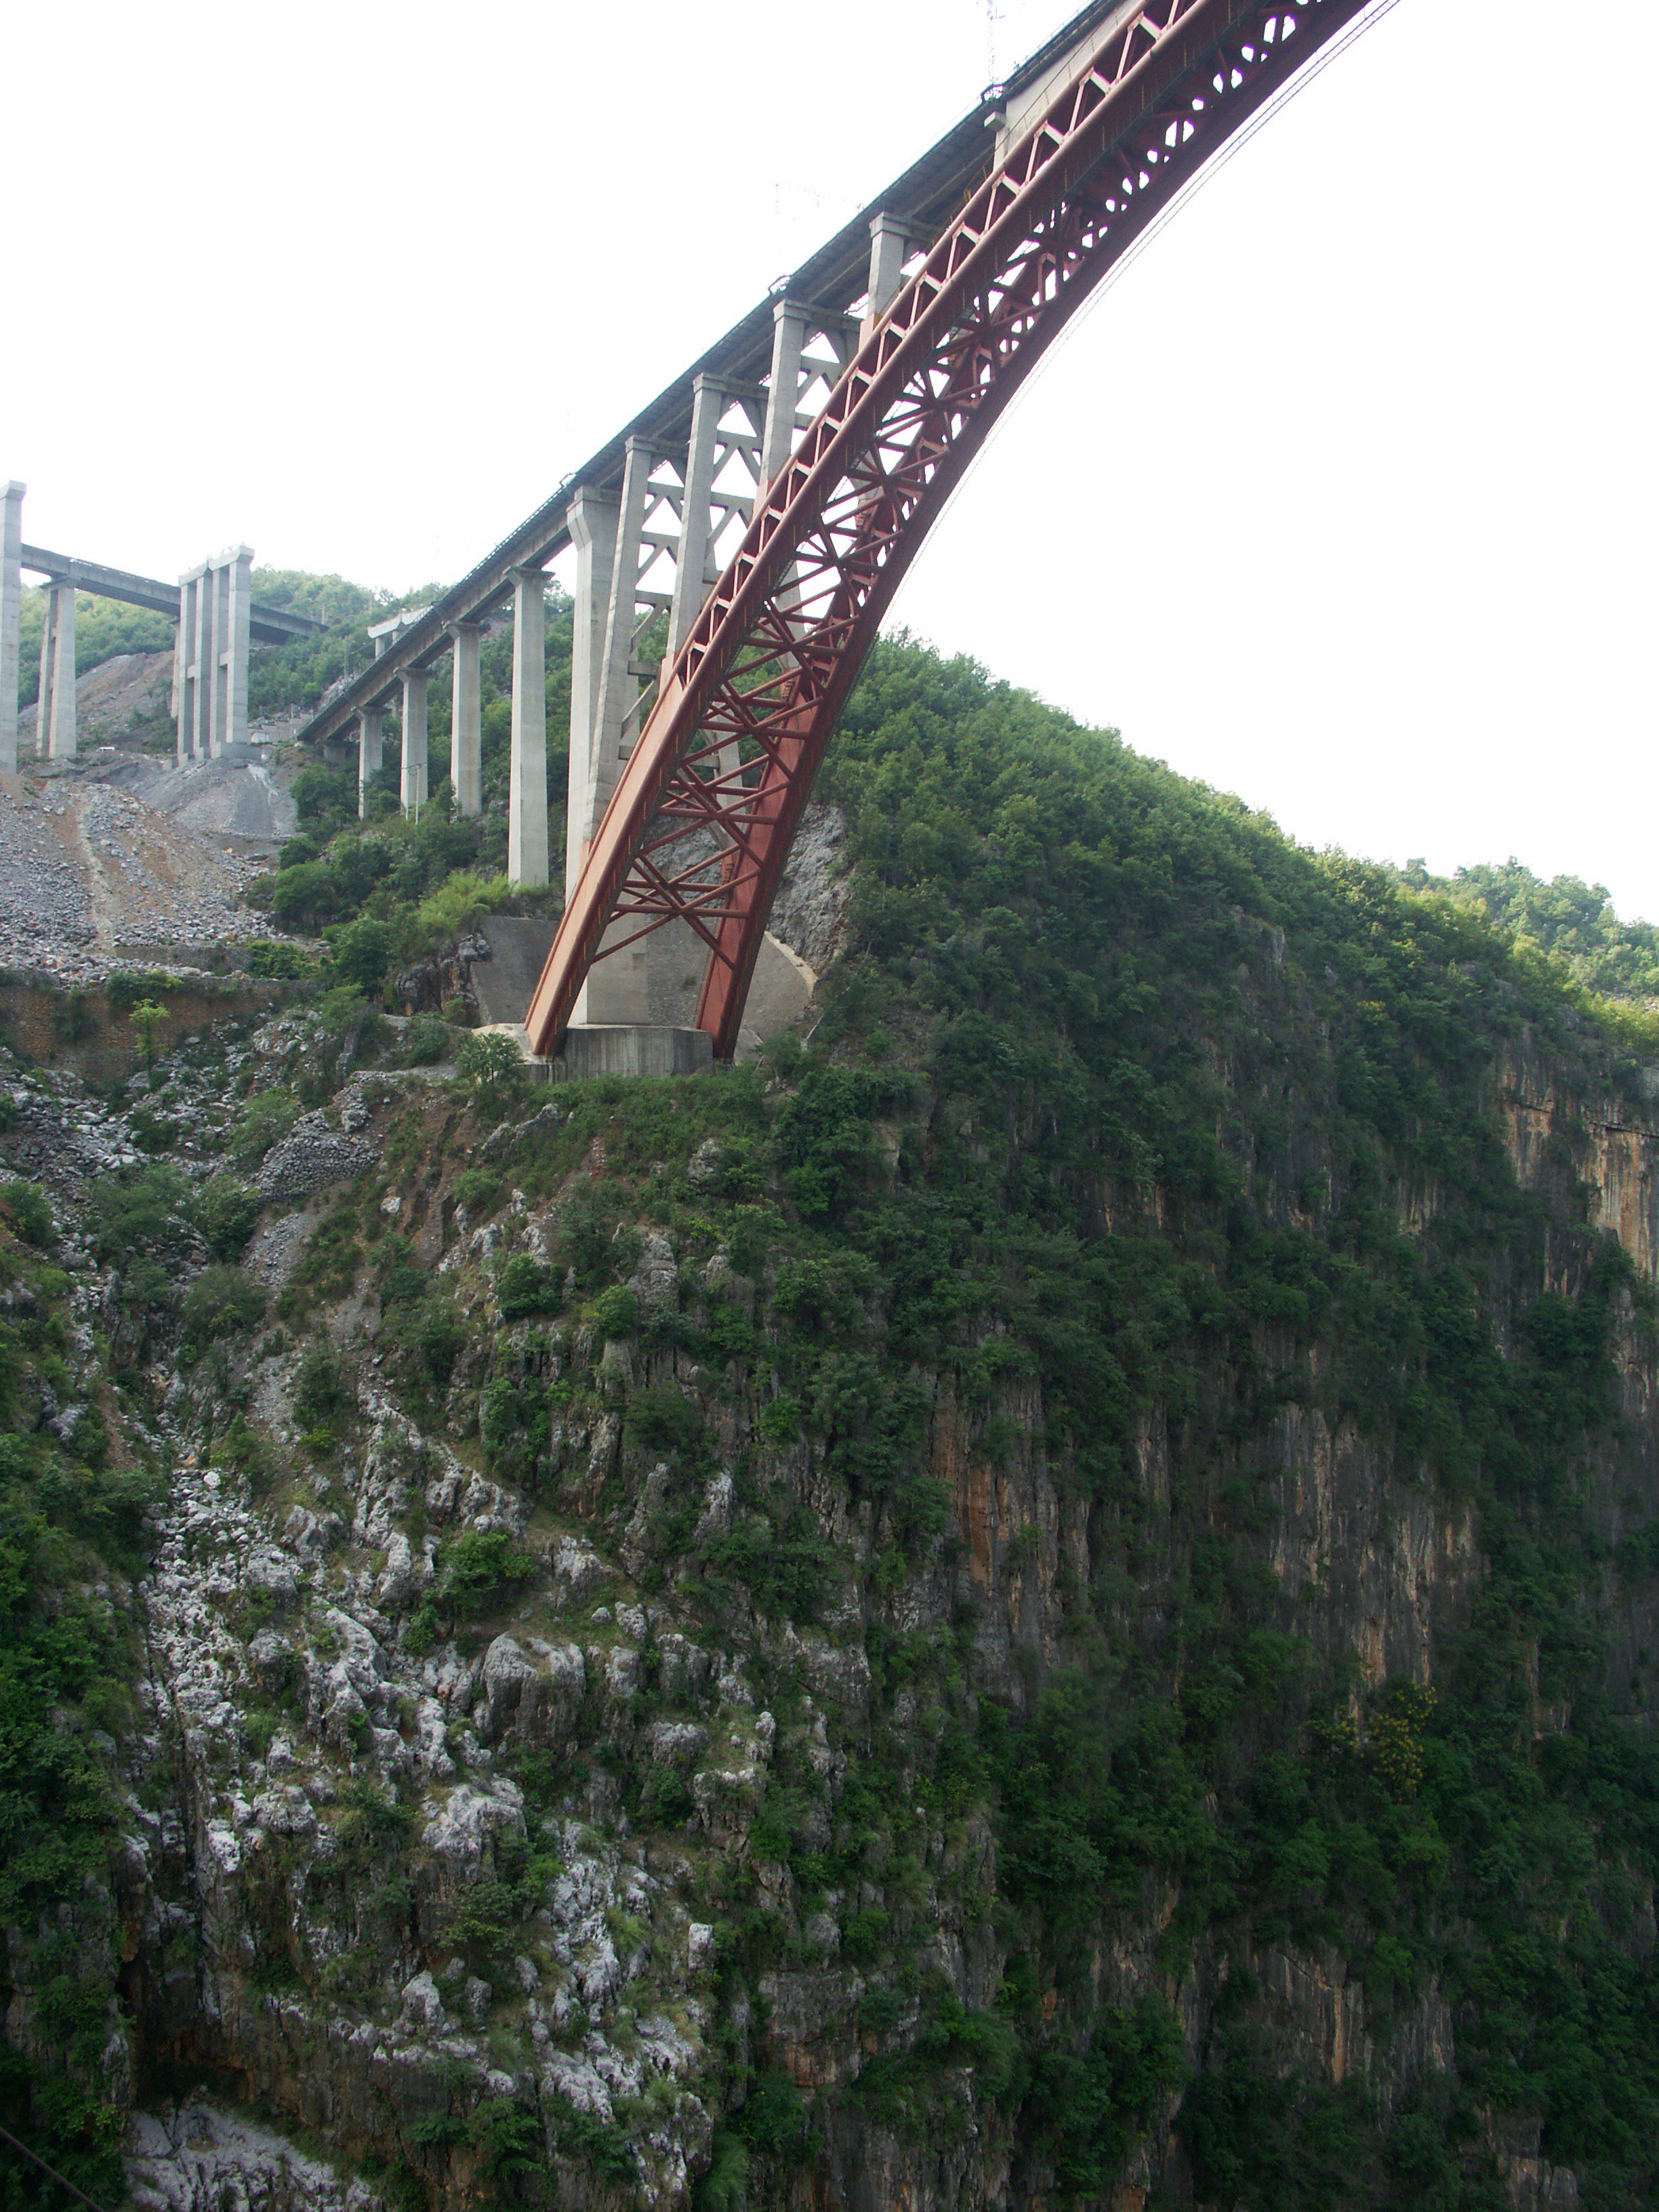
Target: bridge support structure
pixel 11 615
pixel 709 800
pixel 891 242
pixel 466 719
pixel 371 747
pixel 527 800
pixel 810 347
pixel 592 523
pixel 192 647
pixel 212 650
pixel 215 622
pixel 54 716
pixel 411 785
pixel 412 716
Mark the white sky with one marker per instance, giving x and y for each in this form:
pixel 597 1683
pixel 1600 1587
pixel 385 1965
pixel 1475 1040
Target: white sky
pixel 1341 498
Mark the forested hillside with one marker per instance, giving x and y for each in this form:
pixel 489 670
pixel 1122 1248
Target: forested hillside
pixel 1572 920
pixel 1048 1595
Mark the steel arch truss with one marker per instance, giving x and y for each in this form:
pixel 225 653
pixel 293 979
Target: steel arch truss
pixel 707 805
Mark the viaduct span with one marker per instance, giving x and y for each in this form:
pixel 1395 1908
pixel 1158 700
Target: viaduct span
pixel 216 622
pixel 738 543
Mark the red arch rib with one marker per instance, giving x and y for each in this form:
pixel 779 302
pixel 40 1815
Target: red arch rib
pixel 701 819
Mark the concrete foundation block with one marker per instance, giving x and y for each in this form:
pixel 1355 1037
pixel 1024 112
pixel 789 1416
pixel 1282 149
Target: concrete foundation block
pixel 633 1049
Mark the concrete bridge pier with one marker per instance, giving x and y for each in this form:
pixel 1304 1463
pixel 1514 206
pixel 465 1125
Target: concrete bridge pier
pixel 892 240
pixel 618 989
pixel 593 520
pixel 371 742
pixel 795 322
pixel 184 673
pixel 235 567
pixel 190 650
pixel 211 652
pixel 466 719
pixel 201 637
pixel 791 322
pixel 614 729
pixel 527 791
pixel 639 1001
pixel 11 615
pixel 796 366
pixel 412 786
pixel 54 720
pixel 706 511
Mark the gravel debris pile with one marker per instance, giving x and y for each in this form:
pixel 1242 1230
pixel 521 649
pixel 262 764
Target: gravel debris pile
pixel 322 1148
pixel 46 910
pixel 88 870
pixel 230 796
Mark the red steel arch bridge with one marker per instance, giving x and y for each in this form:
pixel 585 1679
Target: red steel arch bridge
pixel 756 521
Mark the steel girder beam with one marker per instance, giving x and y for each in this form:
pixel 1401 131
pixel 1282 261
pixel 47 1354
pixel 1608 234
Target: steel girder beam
pixel 268 625
pixel 703 814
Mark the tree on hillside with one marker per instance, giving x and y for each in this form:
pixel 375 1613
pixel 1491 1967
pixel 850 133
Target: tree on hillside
pixel 146 1017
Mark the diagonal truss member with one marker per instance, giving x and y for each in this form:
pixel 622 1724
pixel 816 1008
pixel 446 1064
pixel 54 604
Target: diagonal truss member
pixel 704 812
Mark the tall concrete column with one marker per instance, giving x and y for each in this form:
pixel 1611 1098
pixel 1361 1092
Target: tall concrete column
pixel 43 681
pixel 708 404
pixel 789 327
pixel 11 615
pixel 890 240
pixel 200 727
pixel 794 371
pixel 617 990
pixel 60 741
pixel 184 668
pixel 466 720
pixel 619 683
pixel 527 790
pixel 412 784
pixel 218 586
pixel 371 738
pixel 593 522
pixel 238 560
pixel 708 455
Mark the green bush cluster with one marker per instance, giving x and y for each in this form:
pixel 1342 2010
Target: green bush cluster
pixel 478 1568
pixel 26 1211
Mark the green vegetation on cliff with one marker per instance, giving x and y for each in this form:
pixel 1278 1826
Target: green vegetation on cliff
pixel 387 890
pixel 72 1501
pixel 1573 921
pixel 1182 1502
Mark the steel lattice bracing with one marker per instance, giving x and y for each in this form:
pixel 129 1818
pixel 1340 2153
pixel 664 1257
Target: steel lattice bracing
pixel 702 816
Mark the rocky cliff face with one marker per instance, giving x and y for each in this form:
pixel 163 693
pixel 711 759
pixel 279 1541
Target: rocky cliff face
pixel 399 1879
pixel 681 1661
